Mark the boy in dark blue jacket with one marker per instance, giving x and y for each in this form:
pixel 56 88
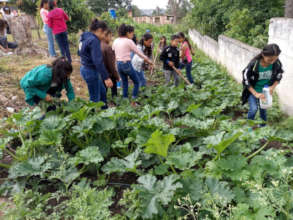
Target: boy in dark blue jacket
pixel 92 67
pixel 171 58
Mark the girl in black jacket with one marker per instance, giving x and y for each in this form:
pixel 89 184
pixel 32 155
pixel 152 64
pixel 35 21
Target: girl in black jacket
pixel 264 69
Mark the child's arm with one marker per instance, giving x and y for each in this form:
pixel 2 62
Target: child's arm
pixel 70 91
pixel 4 49
pixel 65 16
pixel 134 48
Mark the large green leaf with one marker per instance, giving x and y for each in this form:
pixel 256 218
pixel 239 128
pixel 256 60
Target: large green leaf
pixel 155 193
pixel 128 164
pixel 184 157
pixel 159 143
pixel 220 147
pixel 220 191
pixel 32 167
pixel 88 156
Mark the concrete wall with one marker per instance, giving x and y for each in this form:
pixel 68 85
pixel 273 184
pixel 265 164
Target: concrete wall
pixel 235 55
pixel 281 33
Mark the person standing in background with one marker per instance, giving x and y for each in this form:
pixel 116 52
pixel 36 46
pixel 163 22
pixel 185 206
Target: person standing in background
pixel 92 69
pixel 145 46
pixel 57 21
pixel 48 31
pixel 123 46
pixel 186 56
pixel 110 61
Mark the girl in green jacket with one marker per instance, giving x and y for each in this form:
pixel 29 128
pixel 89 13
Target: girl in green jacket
pixel 47 81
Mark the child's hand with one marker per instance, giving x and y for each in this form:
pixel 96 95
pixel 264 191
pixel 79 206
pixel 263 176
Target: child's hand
pixel 260 96
pixel 272 89
pixel 109 83
pixel 48 98
pixel 171 64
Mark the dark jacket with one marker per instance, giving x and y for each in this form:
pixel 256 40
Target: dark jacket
pixel 251 76
pixel 170 54
pixel 109 60
pixel 91 54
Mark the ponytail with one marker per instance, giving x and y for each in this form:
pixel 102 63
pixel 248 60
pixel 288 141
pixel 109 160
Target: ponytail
pixel 182 35
pixel 96 24
pixel 148 50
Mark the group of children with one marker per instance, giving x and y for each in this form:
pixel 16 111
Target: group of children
pixel 104 64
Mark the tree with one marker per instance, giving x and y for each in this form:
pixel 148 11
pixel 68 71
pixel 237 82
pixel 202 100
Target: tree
pixel 215 17
pixel 289 9
pixel 136 11
pixel 79 14
pixel 178 8
pixel 30 7
pixel 157 12
pixel 100 6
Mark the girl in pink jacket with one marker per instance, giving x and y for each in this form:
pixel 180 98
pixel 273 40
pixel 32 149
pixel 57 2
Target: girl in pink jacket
pixel 57 21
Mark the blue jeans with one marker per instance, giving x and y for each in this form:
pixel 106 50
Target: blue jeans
pixel 50 37
pixel 125 69
pixel 141 78
pixel 97 90
pixel 188 67
pixel 254 105
pixel 62 41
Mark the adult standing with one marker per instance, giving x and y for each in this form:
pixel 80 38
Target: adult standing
pixel 57 21
pixel 48 31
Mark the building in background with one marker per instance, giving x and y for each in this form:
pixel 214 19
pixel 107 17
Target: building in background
pixel 156 20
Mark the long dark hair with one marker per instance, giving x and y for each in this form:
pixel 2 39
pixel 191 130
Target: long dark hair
pixel 163 45
pixel 3 25
pixel 148 50
pixel 96 24
pixel 182 35
pixel 52 4
pixel 268 51
pixel 43 2
pixel 61 68
pixel 124 29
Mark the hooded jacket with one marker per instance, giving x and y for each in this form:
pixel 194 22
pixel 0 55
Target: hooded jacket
pixel 57 20
pixel 91 55
pixel 251 76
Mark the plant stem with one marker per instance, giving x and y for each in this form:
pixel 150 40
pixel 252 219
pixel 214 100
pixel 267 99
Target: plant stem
pixel 6 166
pixel 259 150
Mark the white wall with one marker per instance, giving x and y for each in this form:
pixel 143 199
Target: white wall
pixel 235 55
pixel 281 33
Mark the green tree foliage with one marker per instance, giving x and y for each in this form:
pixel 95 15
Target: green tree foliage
pixel 245 20
pixel 100 6
pixel 79 14
pixel 136 11
pixel 28 6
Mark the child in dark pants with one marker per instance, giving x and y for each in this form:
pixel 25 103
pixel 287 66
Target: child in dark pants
pixel 5 46
pixel 57 19
pixel 110 61
pixel 171 58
